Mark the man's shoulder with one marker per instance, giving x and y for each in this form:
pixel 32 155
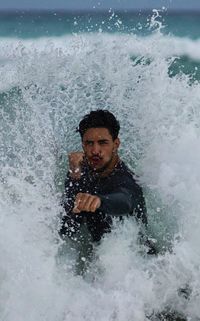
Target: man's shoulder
pixel 123 169
pixel 123 174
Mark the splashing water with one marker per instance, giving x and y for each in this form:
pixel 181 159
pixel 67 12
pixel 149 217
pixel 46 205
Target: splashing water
pixel 47 86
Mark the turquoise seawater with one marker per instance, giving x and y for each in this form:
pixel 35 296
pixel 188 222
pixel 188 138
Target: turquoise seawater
pixel 55 67
pixel 57 23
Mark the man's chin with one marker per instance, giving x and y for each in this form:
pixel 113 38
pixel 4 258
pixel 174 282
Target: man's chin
pixel 97 168
pixel 101 167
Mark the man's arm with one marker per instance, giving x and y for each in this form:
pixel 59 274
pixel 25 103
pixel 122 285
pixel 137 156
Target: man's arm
pixel 72 180
pixel 71 189
pixel 68 223
pixel 122 201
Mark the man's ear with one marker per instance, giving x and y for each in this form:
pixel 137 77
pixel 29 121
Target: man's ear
pixel 116 143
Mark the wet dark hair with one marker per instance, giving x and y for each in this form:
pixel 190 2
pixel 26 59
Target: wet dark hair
pixel 99 119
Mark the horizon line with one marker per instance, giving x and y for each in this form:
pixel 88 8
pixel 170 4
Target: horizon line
pixel 99 10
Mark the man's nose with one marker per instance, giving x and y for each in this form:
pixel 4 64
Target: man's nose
pixel 95 149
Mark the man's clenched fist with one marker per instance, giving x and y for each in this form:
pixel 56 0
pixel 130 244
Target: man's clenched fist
pixel 75 164
pixel 85 202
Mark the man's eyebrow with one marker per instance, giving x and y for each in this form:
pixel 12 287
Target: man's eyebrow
pixel 103 140
pixel 88 141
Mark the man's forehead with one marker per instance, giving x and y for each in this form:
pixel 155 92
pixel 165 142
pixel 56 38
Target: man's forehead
pixel 97 133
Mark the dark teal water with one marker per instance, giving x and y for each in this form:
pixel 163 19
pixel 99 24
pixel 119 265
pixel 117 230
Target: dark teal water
pixel 42 24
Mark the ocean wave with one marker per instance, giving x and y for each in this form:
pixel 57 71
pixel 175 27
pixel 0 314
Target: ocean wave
pixel 184 53
pixel 152 45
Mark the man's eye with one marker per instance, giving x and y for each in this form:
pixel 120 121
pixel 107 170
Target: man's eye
pixel 103 143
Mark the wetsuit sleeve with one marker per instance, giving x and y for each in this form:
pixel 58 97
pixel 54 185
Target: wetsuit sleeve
pixel 117 203
pixel 125 199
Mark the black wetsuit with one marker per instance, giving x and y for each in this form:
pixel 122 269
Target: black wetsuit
pixel 120 196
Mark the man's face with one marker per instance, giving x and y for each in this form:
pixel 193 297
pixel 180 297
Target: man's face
pixel 99 147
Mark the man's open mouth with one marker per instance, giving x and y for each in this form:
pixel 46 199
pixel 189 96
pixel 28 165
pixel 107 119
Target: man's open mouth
pixel 96 159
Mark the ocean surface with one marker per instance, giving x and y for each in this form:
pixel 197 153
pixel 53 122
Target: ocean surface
pixel 54 68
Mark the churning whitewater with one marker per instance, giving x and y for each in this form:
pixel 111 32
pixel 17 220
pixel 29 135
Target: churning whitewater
pixel 47 85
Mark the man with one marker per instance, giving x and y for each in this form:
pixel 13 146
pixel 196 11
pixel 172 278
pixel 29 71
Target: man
pixel 99 186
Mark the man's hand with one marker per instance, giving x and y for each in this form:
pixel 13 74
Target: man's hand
pixel 75 163
pixel 86 202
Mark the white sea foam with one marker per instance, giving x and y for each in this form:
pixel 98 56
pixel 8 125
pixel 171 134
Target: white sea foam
pixel 47 86
pixel 166 45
